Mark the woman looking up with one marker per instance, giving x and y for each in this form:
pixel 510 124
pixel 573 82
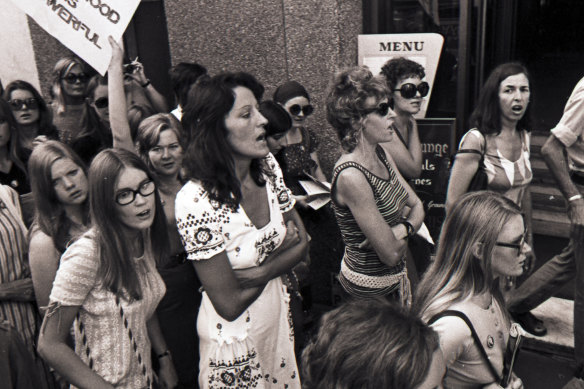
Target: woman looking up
pixel 404 80
pixel 239 227
pixel 483 238
pixel 108 286
pixel 368 193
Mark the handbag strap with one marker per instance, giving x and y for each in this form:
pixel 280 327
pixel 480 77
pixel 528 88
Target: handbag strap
pixel 483 150
pixel 474 334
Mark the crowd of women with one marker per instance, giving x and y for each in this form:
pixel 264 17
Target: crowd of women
pixel 175 249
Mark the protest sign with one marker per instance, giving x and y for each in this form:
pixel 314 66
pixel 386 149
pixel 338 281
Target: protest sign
pixel 423 48
pixel 83 25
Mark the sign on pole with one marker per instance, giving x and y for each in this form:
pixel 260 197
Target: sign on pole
pixel 376 49
pixel 83 25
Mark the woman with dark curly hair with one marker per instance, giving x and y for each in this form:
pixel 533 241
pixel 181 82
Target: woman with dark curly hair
pixel 407 90
pixel 369 195
pixel 239 228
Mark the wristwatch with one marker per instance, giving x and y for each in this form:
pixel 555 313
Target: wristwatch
pixel 409 228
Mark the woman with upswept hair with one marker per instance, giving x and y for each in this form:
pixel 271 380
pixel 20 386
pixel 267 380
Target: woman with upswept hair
pixel 107 284
pixel 483 238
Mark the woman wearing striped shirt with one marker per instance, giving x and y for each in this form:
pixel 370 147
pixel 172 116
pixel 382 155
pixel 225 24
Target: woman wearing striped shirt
pixel 369 195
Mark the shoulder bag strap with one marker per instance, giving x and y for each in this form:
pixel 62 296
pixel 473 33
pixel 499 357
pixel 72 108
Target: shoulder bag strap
pixel 475 337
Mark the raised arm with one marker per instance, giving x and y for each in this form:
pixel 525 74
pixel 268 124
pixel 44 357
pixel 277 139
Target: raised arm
pixel 156 99
pixel 118 113
pixel 353 190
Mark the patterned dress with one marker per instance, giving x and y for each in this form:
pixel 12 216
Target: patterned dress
pixel 256 350
pixel 102 338
pixel 510 178
pixel 362 273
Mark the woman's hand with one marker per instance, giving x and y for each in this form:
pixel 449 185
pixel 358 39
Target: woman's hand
pixel 292 238
pixel 167 376
pixel 515 383
pixel 117 53
pixel 137 73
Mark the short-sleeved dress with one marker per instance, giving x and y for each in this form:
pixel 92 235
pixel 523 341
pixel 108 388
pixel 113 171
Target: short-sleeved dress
pixel 510 178
pixel 102 339
pixel 256 350
pixel 362 273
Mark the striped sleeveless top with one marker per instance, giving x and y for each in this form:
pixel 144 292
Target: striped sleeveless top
pixel 362 273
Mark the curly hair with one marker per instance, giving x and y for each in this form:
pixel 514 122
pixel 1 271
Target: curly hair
pixel 346 101
pixel 399 68
pixel 487 114
pixel 369 344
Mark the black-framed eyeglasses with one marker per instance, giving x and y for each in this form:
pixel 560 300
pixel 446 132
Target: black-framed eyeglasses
pixel 516 246
pixel 101 103
pixel 72 78
pixel 127 196
pixel 382 109
pixel 18 104
pixel 297 108
pixel 409 90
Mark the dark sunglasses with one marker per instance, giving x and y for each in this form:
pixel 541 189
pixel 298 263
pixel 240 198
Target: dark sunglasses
pixel 382 110
pixel 296 109
pixel 101 103
pixel 18 105
pixel 73 78
pixel 409 90
pixel 516 246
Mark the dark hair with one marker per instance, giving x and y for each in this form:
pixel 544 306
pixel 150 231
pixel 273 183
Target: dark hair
pixel 116 270
pixel 399 68
pixel 208 157
pixel 278 118
pixel 487 114
pixel 46 126
pixel 50 214
pixel 346 100
pixel 369 344
pixel 16 152
pixel 182 77
pixel 289 90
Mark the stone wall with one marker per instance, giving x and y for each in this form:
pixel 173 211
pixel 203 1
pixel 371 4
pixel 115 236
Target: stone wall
pixel 302 40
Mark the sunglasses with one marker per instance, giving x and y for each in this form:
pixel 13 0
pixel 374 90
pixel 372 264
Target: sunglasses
pixel 409 90
pixel 516 246
pixel 72 78
pixel 18 105
pixel 296 109
pixel 382 110
pixel 101 103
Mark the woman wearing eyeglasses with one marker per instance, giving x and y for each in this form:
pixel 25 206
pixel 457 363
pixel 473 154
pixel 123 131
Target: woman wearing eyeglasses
pixel 483 239
pixel 407 90
pixel 33 116
pixel 369 194
pixel 70 77
pixel 107 285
